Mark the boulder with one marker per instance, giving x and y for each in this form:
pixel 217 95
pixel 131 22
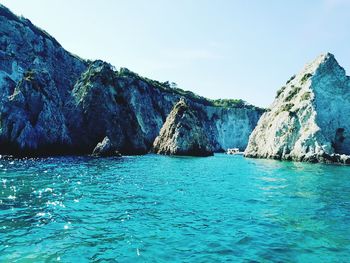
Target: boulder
pixel 105 149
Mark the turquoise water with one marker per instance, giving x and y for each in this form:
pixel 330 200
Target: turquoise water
pixel 173 209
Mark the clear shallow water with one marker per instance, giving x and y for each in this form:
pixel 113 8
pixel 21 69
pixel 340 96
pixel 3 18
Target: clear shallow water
pixel 178 209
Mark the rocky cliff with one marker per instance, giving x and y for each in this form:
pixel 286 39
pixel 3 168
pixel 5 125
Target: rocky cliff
pixel 36 78
pixel 309 119
pixel 184 133
pixel 53 102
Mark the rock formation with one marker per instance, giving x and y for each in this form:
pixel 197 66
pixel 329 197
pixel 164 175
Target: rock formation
pixel 105 149
pixel 309 119
pixel 31 117
pixel 53 102
pixel 183 133
pixel 36 75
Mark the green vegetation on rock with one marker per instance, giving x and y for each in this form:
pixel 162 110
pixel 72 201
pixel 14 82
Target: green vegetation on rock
pixel 280 91
pixel 172 88
pixel 291 78
pixel 292 93
pixel 305 96
pixel 287 107
pixel 229 103
pixel 305 78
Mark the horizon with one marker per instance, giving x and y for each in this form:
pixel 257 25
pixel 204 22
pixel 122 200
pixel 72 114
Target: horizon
pixel 204 58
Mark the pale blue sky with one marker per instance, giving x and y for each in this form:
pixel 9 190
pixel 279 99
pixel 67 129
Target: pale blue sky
pixel 218 49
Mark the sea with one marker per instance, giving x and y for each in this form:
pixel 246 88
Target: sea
pixel 156 208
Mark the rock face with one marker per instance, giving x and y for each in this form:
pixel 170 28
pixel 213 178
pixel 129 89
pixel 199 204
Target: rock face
pixel 31 116
pixel 53 102
pixel 183 133
pixel 105 149
pixel 36 78
pixel 99 108
pixel 309 119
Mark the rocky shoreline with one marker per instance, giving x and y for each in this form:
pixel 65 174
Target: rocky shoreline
pixel 53 102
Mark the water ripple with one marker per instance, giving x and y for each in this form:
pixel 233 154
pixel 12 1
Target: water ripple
pixel 159 209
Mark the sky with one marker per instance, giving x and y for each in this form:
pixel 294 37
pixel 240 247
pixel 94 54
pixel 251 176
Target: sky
pixel 217 49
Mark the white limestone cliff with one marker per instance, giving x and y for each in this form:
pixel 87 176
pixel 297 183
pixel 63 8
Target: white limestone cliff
pixel 309 119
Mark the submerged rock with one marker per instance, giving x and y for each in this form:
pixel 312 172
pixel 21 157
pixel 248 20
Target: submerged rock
pixel 183 133
pixel 309 119
pixel 106 149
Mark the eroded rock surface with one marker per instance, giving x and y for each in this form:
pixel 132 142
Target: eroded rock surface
pixel 53 102
pixel 183 133
pixel 106 149
pixel 309 119
pixel 36 78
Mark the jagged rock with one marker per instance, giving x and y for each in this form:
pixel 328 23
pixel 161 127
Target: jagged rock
pixel 53 102
pixel 183 133
pixel 105 149
pixel 36 74
pixel 100 108
pixel 308 121
pixel 31 118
